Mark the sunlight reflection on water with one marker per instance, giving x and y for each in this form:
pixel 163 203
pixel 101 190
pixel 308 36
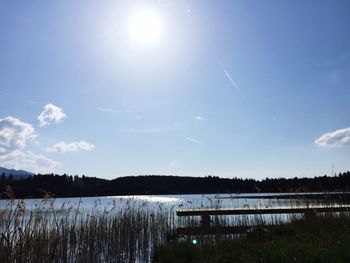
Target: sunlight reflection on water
pixel 159 202
pixel 150 198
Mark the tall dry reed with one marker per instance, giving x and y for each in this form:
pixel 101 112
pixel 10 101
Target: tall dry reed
pixel 46 234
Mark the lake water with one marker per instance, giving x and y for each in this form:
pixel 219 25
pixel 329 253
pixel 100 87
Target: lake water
pixel 166 201
pixel 161 202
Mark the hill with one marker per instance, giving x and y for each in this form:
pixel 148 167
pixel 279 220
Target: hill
pixel 16 174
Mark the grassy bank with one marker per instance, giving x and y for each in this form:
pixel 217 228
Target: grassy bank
pixel 318 239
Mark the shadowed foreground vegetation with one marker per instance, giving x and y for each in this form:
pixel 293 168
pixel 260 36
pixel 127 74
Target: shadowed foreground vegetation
pixel 318 239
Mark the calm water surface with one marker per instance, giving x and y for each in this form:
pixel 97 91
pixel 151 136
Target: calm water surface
pixel 159 202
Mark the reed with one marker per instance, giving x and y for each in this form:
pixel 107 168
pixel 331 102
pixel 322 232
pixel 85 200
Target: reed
pixel 67 234
pixel 140 233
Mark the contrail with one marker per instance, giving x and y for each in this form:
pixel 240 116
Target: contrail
pixel 193 140
pixel 231 80
pixel 108 110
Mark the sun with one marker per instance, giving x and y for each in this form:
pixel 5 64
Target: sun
pixel 145 27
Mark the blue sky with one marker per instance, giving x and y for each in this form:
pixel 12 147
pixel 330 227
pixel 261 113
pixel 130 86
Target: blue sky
pixel 229 88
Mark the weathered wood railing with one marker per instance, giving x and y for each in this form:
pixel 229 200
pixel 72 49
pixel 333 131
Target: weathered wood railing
pixel 205 215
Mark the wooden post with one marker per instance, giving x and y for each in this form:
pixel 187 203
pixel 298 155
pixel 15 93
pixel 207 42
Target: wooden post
pixel 205 220
pixel 310 214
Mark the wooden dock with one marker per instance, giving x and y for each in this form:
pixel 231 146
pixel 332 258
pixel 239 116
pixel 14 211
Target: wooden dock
pixel 267 210
pixel 206 213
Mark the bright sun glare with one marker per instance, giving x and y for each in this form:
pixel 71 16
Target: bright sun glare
pixel 145 27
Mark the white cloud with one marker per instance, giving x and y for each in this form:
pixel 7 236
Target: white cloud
pixel 51 114
pixel 29 161
pixel 336 138
pixel 14 134
pixel 71 147
pixel 193 140
pixel 199 118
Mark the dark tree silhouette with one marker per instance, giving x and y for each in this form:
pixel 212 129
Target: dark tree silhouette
pixel 72 186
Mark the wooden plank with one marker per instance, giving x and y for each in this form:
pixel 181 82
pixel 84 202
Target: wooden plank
pixel 254 211
pixel 213 230
pixel 332 195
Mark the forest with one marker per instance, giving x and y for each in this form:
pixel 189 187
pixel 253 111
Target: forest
pixel 54 185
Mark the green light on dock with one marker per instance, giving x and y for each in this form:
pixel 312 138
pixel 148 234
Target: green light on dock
pixel 194 241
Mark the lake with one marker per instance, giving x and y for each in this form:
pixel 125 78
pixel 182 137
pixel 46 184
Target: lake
pixel 94 205
pixel 168 201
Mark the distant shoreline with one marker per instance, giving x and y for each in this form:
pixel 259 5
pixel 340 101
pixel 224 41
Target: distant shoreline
pixel 60 186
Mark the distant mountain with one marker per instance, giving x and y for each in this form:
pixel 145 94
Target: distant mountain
pixel 17 174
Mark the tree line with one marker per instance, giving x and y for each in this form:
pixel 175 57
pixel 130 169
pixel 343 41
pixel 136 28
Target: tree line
pixel 37 186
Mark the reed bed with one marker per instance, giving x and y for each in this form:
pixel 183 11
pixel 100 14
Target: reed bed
pixel 129 233
pixel 46 234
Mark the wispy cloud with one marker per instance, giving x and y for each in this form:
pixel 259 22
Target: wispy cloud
pixel 340 76
pixel 336 60
pixel 193 140
pixel 171 127
pixel 51 114
pixel 199 118
pixel 144 130
pixel 154 130
pixel 128 130
pixel 103 109
pixel 344 56
pixel 172 164
pixel 108 110
pixel 62 147
pixel 231 80
pixel 177 125
pixel 336 138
